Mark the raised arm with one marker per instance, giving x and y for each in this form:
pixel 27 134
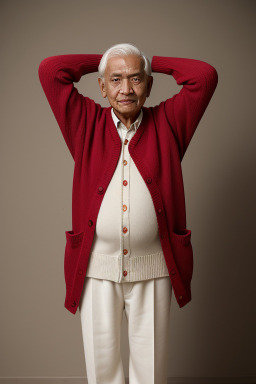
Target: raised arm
pixel 71 109
pixel 185 109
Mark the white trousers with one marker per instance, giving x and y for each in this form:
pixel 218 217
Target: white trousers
pixel 147 308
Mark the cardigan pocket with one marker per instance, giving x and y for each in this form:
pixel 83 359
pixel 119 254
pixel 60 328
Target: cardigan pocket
pixel 72 251
pixel 183 253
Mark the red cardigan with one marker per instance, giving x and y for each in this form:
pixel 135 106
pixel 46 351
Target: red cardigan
pixel 157 149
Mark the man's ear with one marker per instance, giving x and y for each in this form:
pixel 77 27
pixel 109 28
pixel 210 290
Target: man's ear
pixel 102 87
pixel 149 85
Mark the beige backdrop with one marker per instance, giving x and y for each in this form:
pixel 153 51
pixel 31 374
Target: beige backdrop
pixel 214 335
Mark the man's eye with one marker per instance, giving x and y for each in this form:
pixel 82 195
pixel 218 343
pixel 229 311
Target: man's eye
pixel 115 80
pixel 136 79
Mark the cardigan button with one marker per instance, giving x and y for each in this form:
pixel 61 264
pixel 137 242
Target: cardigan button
pixel 90 223
pixel 180 297
pixel 149 180
pixel 173 271
pixel 125 273
pixel 73 304
pixel 159 210
pixel 100 190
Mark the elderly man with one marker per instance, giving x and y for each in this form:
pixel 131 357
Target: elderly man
pixel 129 246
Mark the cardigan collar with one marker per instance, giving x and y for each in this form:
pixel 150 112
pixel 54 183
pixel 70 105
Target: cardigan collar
pixel 136 137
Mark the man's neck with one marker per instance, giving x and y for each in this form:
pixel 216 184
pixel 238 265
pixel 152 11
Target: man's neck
pixel 127 121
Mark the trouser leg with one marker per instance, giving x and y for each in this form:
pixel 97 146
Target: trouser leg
pixel 101 310
pixel 147 308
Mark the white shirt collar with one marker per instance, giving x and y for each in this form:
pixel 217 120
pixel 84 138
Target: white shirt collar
pixel 136 123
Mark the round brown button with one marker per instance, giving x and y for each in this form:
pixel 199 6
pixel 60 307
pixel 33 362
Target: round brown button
pixel 125 251
pixel 159 210
pixel 100 189
pixel 124 207
pixel 125 182
pixel 126 141
pixel 180 297
pixel 149 180
pixel 73 304
pixel 125 230
pixel 125 162
pixel 125 273
pixel 90 223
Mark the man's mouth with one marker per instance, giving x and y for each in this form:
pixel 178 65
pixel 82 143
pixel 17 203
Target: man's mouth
pixel 126 101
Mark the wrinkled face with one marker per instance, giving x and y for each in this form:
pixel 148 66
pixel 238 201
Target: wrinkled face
pixel 126 85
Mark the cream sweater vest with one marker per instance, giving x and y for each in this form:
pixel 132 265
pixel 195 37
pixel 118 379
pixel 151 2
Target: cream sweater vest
pixel 126 245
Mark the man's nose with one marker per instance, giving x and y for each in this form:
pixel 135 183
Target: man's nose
pixel 126 87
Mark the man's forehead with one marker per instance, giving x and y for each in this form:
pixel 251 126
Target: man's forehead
pixel 125 64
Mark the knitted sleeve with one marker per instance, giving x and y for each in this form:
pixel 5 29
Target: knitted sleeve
pixel 71 109
pixel 184 110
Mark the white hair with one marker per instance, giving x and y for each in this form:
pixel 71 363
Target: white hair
pixel 123 50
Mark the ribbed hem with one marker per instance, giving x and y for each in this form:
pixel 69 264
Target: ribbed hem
pixel 138 268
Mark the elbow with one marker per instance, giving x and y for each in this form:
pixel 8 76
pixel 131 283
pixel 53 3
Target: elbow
pixel 209 74
pixel 47 67
pixel 212 75
pixel 42 68
pixel 210 79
